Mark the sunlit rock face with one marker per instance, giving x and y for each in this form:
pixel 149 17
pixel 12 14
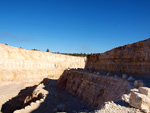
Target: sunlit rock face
pixel 28 66
pixel 93 89
pixel 140 99
pixel 130 59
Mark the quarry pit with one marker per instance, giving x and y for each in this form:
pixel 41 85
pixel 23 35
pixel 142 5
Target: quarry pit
pixel 36 81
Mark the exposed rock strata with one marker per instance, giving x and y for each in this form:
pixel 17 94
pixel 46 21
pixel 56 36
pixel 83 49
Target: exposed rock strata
pixel 28 66
pixel 94 89
pixel 130 59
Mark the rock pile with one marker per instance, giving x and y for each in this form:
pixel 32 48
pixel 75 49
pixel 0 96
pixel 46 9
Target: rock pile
pixel 111 107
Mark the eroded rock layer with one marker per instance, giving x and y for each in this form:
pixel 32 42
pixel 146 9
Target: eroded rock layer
pixel 28 66
pixel 130 59
pixel 94 89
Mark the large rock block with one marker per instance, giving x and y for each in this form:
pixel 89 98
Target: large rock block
pixel 92 88
pixel 140 101
pixel 145 91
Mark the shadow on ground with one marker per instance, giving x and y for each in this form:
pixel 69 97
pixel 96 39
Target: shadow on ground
pixel 58 97
pixel 18 102
pixel 54 98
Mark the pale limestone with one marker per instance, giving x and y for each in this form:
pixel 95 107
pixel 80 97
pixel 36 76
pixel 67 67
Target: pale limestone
pixel 140 101
pixel 145 91
pixel 92 88
pixel 27 66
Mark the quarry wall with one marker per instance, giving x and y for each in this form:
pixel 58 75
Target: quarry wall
pixel 131 59
pixel 28 66
pixel 93 89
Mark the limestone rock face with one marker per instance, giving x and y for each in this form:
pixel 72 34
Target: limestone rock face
pixel 130 59
pixel 28 66
pixel 92 88
pixel 140 101
pixel 145 91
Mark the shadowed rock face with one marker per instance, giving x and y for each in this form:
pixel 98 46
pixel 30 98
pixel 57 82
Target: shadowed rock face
pixel 92 88
pixel 131 59
pixel 28 66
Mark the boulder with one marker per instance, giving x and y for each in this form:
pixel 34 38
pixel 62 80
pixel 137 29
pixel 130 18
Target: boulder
pixel 138 83
pixel 135 83
pixel 141 84
pixel 140 101
pixel 145 91
pixel 124 76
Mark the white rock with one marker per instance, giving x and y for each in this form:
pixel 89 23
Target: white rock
pixel 126 97
pixel 32 103
pixel 17 111
pixel 42 99
pixel 27 107
pixel 145 91
pixel 140 101
pixel 37 101
pixel 134 90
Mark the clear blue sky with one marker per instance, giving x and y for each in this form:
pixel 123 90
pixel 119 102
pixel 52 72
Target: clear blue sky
pixel 73 26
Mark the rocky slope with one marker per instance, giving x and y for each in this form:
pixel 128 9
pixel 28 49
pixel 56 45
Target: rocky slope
pixel 131 59
pixel 27 66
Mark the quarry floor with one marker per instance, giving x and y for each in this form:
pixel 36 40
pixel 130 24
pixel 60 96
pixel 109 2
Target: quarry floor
pixel 9 91
pixel 58 96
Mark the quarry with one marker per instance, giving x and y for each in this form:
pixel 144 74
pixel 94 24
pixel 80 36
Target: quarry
pixel 42 82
